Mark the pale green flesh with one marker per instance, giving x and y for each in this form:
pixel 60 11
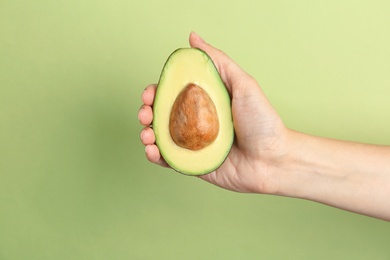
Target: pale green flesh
pixel 185 66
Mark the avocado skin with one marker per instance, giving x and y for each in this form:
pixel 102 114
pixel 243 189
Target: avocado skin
pixel 192 65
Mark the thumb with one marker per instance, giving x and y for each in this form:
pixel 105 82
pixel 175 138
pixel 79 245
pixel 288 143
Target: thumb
pixel 230 72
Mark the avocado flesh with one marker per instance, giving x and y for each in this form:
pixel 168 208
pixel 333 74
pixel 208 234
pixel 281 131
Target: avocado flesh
pixel 184 67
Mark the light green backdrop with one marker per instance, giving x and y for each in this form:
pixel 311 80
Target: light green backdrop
pixel 74 182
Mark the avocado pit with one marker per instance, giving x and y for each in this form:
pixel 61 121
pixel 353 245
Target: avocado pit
pixel 193 122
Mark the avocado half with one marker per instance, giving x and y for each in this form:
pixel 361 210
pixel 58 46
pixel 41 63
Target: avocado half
pixel 185 68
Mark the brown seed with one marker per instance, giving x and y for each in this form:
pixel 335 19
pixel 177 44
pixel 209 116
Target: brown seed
pixel 193 123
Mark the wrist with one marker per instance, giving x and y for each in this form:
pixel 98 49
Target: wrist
pixel 294 169
pixel 276 164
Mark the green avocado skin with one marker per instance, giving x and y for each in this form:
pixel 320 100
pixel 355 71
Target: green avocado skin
pixel 185 66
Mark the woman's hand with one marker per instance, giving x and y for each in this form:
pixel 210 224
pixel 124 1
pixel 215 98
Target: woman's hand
pixel 260 134
pixel 268 158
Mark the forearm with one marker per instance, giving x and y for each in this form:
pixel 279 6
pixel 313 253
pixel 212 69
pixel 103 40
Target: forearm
pixel 347 175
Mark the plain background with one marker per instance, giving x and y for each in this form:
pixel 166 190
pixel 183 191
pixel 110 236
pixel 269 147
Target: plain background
pixel 74 181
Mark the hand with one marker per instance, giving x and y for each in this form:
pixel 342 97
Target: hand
pixel 260 134
pixel 266 157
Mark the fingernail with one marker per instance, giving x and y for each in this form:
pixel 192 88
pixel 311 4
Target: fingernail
pixel 196 36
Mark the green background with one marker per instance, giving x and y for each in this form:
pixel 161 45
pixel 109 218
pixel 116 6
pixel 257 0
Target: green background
pixel 74 181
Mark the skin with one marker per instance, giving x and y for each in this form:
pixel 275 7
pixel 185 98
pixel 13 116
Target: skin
pixel 269 158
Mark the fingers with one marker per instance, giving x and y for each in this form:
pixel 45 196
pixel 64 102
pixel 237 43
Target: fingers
pixel 152 152
pixel 154 156
pixel 148 94
pixel 230 72
pixel 219 58
pixel 145 114
pixel 147 136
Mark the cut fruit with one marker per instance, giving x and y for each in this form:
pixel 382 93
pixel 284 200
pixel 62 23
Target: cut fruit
pixel 192 118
